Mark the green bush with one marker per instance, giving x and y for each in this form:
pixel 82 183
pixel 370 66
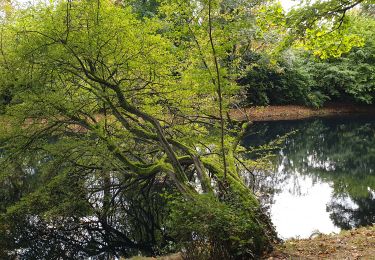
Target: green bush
pixel 205 228
pixel 303 80
pixel 285 84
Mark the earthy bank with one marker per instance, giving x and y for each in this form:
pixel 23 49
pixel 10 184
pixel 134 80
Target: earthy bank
pixel 290 112
pixel 349 245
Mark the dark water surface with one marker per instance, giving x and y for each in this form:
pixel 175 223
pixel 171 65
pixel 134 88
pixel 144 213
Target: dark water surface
pixel 323 175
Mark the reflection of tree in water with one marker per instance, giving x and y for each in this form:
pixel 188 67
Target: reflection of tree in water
pixel 359 212
pixel 338 151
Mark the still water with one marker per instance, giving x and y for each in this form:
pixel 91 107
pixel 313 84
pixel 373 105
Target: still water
pixel 322 174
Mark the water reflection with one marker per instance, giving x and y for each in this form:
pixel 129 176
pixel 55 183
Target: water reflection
pixel 323 176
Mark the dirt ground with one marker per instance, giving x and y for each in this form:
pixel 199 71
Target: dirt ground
pixel 356 244
pixel 348 245
pixel 290 112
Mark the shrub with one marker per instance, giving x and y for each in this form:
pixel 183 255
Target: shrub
pixel 206 228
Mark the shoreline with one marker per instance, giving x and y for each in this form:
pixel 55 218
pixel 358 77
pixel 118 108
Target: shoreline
pixel 357 243
pixel 354 244
pixel 295 112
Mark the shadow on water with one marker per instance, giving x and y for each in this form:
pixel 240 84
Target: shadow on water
pixel 323 175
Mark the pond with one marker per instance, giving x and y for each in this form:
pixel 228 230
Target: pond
pixel 322 175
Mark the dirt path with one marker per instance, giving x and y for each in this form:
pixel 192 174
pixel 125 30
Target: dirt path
pixel 290 112
pixel 348 245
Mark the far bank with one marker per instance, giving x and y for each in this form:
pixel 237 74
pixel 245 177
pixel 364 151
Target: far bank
pixel 293 112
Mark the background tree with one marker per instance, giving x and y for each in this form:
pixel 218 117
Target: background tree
pixel 331 62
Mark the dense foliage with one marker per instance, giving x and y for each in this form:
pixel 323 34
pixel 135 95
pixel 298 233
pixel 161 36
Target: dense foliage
pixel 317 70
pixel 114 139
